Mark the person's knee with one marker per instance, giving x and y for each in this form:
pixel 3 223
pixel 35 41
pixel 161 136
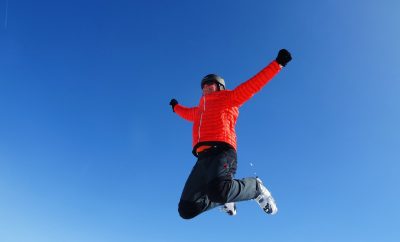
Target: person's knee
pixel 188 210
pixel 218 190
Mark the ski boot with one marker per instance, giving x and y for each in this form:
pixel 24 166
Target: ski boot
pixel 229 208
pixel 265 199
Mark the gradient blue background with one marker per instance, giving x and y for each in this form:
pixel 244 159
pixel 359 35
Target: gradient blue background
pixel 90 150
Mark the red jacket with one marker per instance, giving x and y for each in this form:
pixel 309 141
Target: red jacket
pixel 214 119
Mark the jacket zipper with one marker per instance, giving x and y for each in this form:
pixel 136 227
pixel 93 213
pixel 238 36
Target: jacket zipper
pixel 201 117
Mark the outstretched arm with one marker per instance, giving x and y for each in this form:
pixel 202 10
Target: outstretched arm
pixel 246 90
pixel 182 111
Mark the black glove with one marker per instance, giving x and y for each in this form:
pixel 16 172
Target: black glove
pixel 283 57
pixel 173 102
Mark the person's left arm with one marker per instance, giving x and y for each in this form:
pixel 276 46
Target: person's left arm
pixel 247 89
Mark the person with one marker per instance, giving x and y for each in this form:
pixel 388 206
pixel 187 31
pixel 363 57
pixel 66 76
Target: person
pixel 211 182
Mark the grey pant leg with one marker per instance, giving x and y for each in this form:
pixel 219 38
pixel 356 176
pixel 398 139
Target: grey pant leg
pixel 222 187
pixel 242 190
pixel 211 184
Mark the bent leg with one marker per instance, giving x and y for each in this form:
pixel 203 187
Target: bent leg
pixel 194 199
pixel 221 186
pixel 189 209
pixel 232 190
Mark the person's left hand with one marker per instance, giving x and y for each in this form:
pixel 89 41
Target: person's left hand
pixel 283 57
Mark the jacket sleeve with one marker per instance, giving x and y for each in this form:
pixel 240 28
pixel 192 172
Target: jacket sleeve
pixel 186 113
pixel 247 89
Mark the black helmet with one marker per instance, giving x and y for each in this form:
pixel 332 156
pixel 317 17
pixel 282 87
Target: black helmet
pixel 214 78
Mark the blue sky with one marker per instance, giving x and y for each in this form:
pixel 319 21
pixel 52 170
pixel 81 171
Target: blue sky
pixel 90 150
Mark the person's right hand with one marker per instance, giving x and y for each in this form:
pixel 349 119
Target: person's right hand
pixel 173 102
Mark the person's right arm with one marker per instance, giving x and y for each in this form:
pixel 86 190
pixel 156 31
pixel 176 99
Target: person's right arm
pixel 182 111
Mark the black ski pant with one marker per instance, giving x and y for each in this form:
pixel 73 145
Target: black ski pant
pixel 211 183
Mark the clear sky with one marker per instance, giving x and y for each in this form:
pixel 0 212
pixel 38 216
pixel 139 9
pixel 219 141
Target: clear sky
pixel 90 150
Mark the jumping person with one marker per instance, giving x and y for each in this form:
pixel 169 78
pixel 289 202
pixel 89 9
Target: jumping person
pixel 211 182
